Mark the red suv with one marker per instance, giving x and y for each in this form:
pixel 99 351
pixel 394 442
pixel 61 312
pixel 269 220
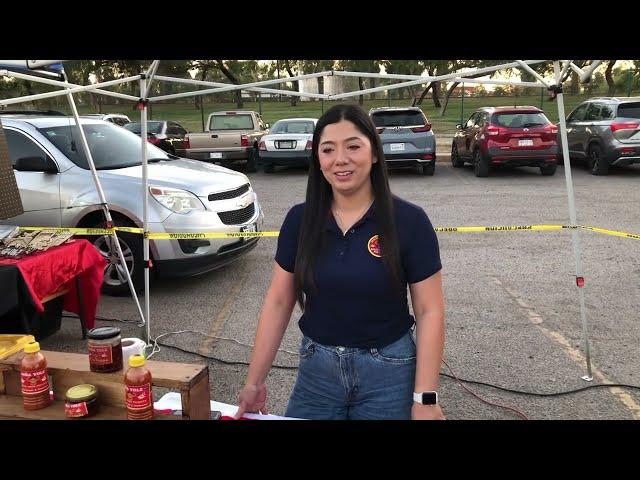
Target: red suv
pixel 515 136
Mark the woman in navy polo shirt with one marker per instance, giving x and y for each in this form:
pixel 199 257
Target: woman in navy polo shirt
pixel 347 255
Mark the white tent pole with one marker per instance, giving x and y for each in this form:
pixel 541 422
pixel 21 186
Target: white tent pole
pixel 567 63
pixel 58 83
pixel 536 75
pixel 585 77
pixel 421 81
pixel 103 200
pixel 251 89
pixel 151 72
pixel 230 88
pixel 577 251
pixel 448 76
pixel 86 88
pixel 145 205
pixel 576 69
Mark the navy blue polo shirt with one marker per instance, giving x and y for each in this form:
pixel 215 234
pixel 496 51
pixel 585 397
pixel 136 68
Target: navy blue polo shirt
pixel 353 304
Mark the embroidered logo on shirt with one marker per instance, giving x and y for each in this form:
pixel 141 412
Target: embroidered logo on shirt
pixel 374 247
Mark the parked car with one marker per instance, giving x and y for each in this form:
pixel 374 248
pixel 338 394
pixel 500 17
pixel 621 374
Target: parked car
pixel 407 137
pixel 115 118
pixel 167 135
pixel 605 131
pixel 288 143
pixel 230 136
pixel 513 136
pixel 185 196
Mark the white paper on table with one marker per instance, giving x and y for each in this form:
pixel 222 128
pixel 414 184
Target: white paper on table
pixel 173 401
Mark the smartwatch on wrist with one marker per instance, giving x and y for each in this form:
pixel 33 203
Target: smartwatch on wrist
pixel 426 398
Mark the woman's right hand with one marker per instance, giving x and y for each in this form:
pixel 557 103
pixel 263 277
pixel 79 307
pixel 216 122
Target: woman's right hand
pixel 252 398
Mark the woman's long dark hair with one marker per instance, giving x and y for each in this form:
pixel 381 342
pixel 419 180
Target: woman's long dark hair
pixel 320 195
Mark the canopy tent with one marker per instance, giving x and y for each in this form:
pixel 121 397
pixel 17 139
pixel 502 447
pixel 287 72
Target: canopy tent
pixel 39 70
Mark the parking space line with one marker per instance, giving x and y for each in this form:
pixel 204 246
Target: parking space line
pixel 574 354
pixel 218 322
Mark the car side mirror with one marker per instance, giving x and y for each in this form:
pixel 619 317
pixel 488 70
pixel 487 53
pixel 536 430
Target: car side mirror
pixel 36 164
pixel 458 127
pixel 266 126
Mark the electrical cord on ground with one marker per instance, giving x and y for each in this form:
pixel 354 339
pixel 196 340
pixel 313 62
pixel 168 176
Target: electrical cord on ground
pixel 156 346
pixel 219 360
pixel 538 394
pixel 105 319
pixel 507 407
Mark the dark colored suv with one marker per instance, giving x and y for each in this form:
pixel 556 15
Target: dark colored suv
pixel 514 136
pixel 169 136
pixel 605 131
pixel 406 136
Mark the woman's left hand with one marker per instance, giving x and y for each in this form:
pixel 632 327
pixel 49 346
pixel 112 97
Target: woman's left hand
pixel 426 412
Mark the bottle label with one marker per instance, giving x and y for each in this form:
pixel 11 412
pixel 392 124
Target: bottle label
pixel 100 354
pixel 36 381
pixel 76 409
pixel 138 397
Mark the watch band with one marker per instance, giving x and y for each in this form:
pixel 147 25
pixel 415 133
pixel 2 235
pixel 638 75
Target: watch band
pixel 426 398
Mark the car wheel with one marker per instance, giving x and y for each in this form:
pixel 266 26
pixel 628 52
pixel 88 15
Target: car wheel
pixel 429 169
pixel 549 169
pixel 251 161
pixel 115 280
pixel 269 168
pixel 456 161
pixel 597 163
pixel 480 164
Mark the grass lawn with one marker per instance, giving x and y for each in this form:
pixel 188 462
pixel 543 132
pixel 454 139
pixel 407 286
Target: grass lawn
pixel 458 109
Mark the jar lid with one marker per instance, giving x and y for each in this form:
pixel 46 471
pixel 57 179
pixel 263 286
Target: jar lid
pixel 81 393
pixel 32 347
pixel 102 333
pixel 136 361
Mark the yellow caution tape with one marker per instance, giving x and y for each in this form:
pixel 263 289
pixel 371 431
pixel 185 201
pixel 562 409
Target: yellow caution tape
pixel 187 236
pixel 191 236
pixel 499 228
pixel 615 233
pixel 77 231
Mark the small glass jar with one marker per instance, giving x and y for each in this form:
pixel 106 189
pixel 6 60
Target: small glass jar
pixel 81 401
pixel 105 349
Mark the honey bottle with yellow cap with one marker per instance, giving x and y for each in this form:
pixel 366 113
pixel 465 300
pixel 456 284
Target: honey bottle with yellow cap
pixel 34 380
pixel 138 392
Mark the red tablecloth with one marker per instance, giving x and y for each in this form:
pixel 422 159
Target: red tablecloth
pixel 46 272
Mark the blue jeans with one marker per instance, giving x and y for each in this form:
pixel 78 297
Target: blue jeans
pixel 344 383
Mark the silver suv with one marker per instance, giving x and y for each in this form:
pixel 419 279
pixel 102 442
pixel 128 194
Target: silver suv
pixel 605 131
pixel 187 196
pixel 407 138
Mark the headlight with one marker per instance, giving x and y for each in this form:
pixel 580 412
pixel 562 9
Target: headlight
pixel 179 201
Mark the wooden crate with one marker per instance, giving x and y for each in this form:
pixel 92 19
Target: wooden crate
pixel 69 369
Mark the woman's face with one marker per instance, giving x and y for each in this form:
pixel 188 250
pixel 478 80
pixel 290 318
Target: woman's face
pixel 345 157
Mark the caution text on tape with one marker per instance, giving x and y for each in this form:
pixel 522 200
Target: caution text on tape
pixel 203 235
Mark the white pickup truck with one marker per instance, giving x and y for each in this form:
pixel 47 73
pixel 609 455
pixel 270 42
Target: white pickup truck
pixel 230 136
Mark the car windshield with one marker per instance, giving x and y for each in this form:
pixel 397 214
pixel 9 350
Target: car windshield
pixel 152 127
pixel 111 146
pixel 231 122
pixel 520 120
pixel 401 118
pixel 282 126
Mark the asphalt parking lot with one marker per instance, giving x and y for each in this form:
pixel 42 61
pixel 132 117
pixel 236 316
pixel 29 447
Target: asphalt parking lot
pixel 512 309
